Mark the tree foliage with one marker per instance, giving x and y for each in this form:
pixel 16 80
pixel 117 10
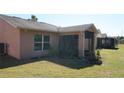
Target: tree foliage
pixel 33 18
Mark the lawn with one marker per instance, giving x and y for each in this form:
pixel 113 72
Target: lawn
pixel 113 66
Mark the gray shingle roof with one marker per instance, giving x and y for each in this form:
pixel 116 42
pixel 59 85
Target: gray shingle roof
pixel 32 25
pixel 76 28
pixel 26 24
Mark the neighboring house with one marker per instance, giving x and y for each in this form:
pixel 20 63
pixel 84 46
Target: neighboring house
pixel 27 39
pixel 121 41
pixel 100 34
pixel 103 41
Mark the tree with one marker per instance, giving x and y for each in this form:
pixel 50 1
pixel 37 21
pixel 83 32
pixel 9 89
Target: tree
pixel 34 18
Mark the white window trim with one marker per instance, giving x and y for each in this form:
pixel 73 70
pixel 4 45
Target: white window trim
pixel 42 42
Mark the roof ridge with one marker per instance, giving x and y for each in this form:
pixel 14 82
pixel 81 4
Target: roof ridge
pixel 78 25
pixel 48 24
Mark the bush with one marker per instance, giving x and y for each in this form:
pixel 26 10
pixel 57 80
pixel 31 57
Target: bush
pixel 90 56
pixel 94 58
pixel 53 52
pixel 98 56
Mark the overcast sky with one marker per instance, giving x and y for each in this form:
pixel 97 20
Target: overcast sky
pixel 112 24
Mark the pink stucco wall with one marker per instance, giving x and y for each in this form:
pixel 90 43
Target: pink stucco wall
pixel 11 36
pixel 27 43
pixel 2 28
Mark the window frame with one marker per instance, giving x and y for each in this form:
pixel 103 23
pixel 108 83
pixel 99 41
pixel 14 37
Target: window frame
pixel 42 42
pixel 46 42
pixel 37 42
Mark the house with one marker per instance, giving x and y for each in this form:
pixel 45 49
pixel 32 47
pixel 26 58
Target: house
pixel 103 41
pixel 27 39
pixel 121 41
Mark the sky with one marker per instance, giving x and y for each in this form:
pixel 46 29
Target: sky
pixel 112 24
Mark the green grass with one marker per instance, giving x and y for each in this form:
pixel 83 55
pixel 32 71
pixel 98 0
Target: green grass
pixel 113 66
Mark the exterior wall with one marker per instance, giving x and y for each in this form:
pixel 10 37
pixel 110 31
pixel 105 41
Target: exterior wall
pixel 27 43
pixel 93 29
pixel 81 44
pixel 86 44
pixel 69 33
pixel 95 41
pixel 1 31
pixel 11 36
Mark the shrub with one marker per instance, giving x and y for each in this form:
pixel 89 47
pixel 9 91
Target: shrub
pixel 98 56
pixel 94 58
pixel 90 56
pixel 53 52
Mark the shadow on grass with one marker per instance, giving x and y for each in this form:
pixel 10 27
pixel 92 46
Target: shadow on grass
pixel 109 48
pixel 7 61
pixel 70 63
pixel 112 48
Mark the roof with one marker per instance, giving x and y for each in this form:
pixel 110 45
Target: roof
pixel 103 35
pixel 98 31
pixel 42 26
pixel 76 28
pixel 122 40
pixel 28 24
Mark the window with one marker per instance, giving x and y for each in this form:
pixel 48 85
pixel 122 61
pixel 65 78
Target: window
pixel 46 38
pixel 46 45
pixel 41 42
pixel 38 42
pixel 38 38
pixel 38 46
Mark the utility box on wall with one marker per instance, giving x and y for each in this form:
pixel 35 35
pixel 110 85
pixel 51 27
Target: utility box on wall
pixel 3 49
